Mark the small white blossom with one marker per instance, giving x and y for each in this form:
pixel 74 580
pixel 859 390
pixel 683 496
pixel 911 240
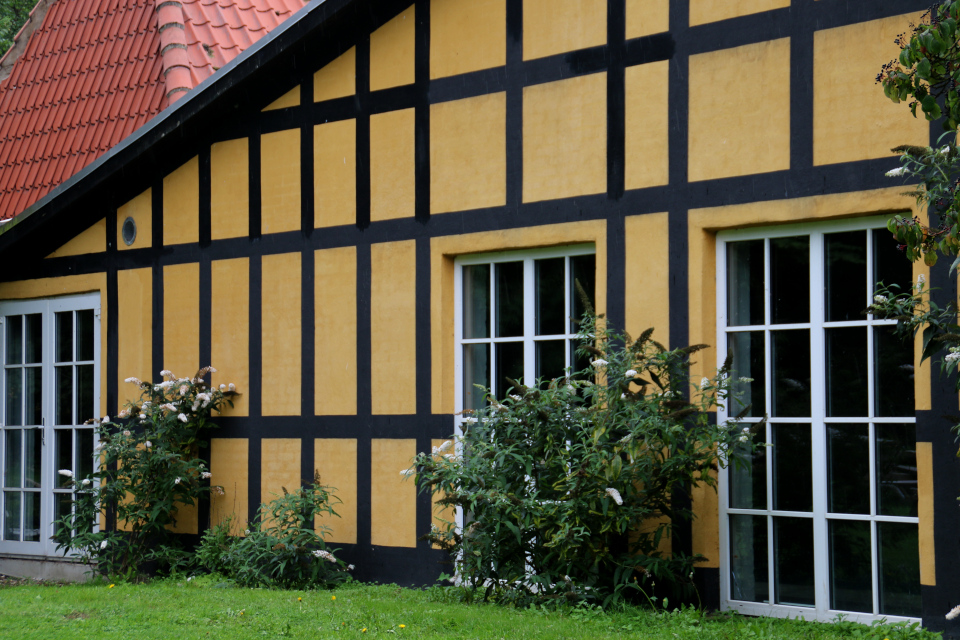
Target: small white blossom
pixel 746 380
pixel 350 567
pixel 599 362
pixel 704 383
pixel 205 475
pixel 630 373
pixel 177 481
pixel 515 397
pixel 246 532
pixel 406 473
pixel 66 473
pixel 105 419
pixel 85 482
pixel 623 396
pixel 183 390
pixel 613 493
pixel 445 446
pixel 148 444
pixel 945 150
pixel 183 418
pixel 232 387
pixel 896 173
pixel 103 545
pixel 954 613
pixel 878 299
pixel 217 490
pixel 143 416
pixel 126 432
pixel 166 373
pixel 211 370
pixel 133 380
pixel 744 438
pixel 469 420
pixel 326 555
pixel 125 413
pixel 920 280
pixel 168 407
pixel 951 358
pixel 223 387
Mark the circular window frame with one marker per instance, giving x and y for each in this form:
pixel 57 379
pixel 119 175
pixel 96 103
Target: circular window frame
pixel 128 231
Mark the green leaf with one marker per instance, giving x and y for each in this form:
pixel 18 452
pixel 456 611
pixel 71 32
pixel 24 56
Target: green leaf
pixel 923 69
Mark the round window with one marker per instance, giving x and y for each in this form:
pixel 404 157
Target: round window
pixel 129 231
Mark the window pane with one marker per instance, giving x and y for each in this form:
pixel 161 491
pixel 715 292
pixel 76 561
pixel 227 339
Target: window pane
pixel 896 469
pixel 745 283
pixel 509 364
pixel 476 301
pixel 846 371
pixel 584 270
pixel 551 359
pixel 31 516
pixel 791 373
pixel 476 371
pixel 11 515
pixel 851 579
pixel 792 467
pixel 33 443
pixel 33 353
pixel 12 458
pixel 846 275
pixel 747 350
pixel 551 315
pixel 793 550
pixel 790 280
pixel 65 336
pixel 64 504
pixel 14 396
pixel 34 391
pixel 748 477
pixel 84 393
pixel 848 468
pixel 749 575
pixel 84 453
pixel 899 569
pixel 890 264
pixel 509 299
pixel 14 339
pixel 893 374
pixel 85 334
pixel 64 456
pixel 64 391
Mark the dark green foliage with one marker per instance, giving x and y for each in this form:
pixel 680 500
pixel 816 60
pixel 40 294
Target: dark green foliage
pixel 13 15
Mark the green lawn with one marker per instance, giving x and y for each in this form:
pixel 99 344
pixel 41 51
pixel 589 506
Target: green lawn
pixel 204 608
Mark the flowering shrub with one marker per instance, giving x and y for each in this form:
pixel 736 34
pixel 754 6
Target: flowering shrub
pixel 569 489
pixel 149 470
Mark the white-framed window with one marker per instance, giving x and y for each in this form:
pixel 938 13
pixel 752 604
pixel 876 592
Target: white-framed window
pixel 823 520
pixel 50 351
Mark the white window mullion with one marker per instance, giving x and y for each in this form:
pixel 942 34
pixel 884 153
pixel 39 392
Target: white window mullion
pixel 529 323
pixel 818 435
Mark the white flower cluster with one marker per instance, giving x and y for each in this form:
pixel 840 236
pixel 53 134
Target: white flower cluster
pixel 953 356
pixel 613 493
pixel 66 473
pixel 135 381
pixel 630 373
pixel 704 383
pixel 443 448
pixel 406 473
pixel 896 173
pixel 953 613
pixel 879 299
pixel 745 435
pixel 326 555
pixel 921 279
pixel 205 475
pixel 599 362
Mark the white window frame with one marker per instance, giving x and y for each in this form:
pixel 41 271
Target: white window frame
pixel 816 325
pixel 48 308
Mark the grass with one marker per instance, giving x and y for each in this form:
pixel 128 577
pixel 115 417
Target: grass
pixel 206 608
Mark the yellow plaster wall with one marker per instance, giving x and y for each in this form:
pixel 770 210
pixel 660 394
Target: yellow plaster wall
pixel 557 26
pixel 468 153
pixel 93 239
pixel 393 498
pixel 280 181
pixel 134 331
pixel 229 468
pixel 921 372
pixel 335 173
pixel 703 11
pixel 289 99
pixel 393 327
pixel 181 204
pixel 279 467
pixel 705 532
pixel 467 36
pixel 646 17
pixel 141 210
pixel 852 119
pixel 732 132
pixel 335 331
pixel 392 165
pixel 230 335
pixel 280 337
pixel 337 79
pixel 230 189
pixel 565 138
pixel 647 162
pixel 925 489
pixel 336 461
pixel 181 319
pixel 444 250
pixel 392 52
pixel 647 275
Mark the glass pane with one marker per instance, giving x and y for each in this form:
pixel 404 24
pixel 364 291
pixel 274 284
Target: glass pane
pixel 31 516
pixel 585 272
pixel 899 569
pixel 33 353
pixel 896 469
pixel 11 515
pixel 64 456
pixel 476 371
pixel 65 336
pixel 509 299
pixel 851 577
pixel 791 373
pixel 749 576
pixel 64 504
pixel 14 397
pixel 792 467
pixel 745 283
pixel 846 275
pixel 476 301
pixel 14 339
pixel 12 458
pixel 85 334
pixel 846 371
pixel 84 453
pixel 848 468
pixel 793 550
pixel 893 374
pixel 747 350
pixel 509 364
pixel 580 361
pixel 64 391
pixel 551 359
pixel 34 392
pixel 84 393
pixel 890 264
pixel 748 477
pixel 33 443
pixel 551 315
pixel 790 280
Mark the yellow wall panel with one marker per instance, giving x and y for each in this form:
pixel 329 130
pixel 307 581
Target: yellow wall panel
pixel 335 173
pixel 181 319
pixel 557 26
pixel 467 36
pixel 393 498
pixel 141 210
pixel 335 331
pixel 647 283
pixel 393 326
pixel 93 239
pixel 925 489
pixel 732 133
pixel 289 99
pixel 229 468
pixel 392 52
pixel 878 124
pixel 279 467
pixel 647 121
pixel 280 181
pixel 705 531
pixel 337 79
pixel 134 331
pixel 565 138
pixel 646 17
pixel 230 337
pixel 181 204
pixel 280 339
pixel 336 461
pixel 468 153
pixel 703 11
pixel 392 165
pixel 230 189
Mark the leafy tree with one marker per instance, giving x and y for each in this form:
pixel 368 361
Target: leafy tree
pixel 13 15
